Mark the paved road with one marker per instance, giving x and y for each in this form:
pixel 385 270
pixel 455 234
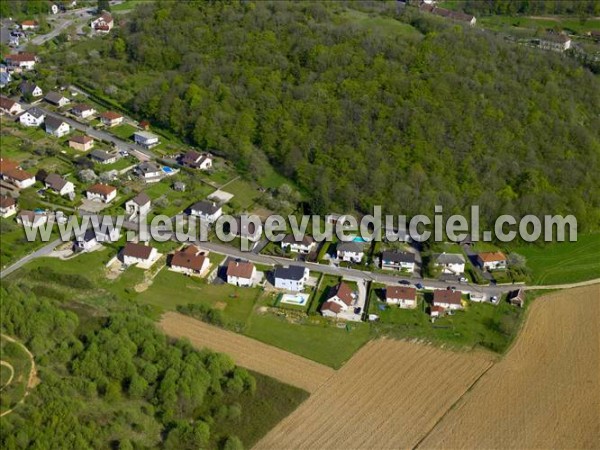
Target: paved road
pixel 44 251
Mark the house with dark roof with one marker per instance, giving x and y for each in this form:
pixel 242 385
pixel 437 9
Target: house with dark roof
pixel 207 211
pixel 59 185
pixel 30 88
pixel 396 260
pixel 403 296
pixel 56 126
pixel 340 299
pixel 196 160
pixel 304 245
pixel 457 16
pixel 85 241
pixel 139 254
pixel 33 117
pixel 517 297
pixel 145 139
pixel 57 99
pixel 102 157
pixel 83 110
pixel 291 278
pixel 241 273
pixel 191 261
pixel 350 251
pixel 248 230
pixel 149 172
pixel 139 205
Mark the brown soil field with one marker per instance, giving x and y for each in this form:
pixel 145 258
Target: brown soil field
pixel 249 353
pixel 545 393
pixel 389 395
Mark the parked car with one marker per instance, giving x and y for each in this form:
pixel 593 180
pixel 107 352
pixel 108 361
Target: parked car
pixel 419 286
pixel 405 282
pixel 494 299
pixel 463 280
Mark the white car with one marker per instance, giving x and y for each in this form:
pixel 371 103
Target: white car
pixel 494 299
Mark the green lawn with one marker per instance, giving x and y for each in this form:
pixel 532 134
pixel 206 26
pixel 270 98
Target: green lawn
pixel 124 131
pixel 569 24
pixel 564 262
pixel 321 341
pixel 385 25
pixel 13 354
pixel 481 324
pixel 245 194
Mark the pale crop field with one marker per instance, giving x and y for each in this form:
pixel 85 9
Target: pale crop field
pixel 246 352
pixel 545 393
pixel 389 395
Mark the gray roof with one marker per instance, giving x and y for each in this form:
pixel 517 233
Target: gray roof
pixel 88 236
pixel 27 87
pixel 101 155
pixel 55 181
pixel 398 257
pixel 53 122
pixel 54 97
pixel 205 207
pixel 36 112
pixel 145 135
pixel 354 247
pixel 148 167
pixel 141 199
pixel 450 258
pixel 289 273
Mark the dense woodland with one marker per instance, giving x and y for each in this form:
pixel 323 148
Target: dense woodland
pixel 582 8
pixel 360 116
pixel 114 381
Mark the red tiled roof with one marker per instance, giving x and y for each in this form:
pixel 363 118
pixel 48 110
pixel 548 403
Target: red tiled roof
pixel 102 189
pixel 492 256
pixel 7 164
pixel 344 292
pixel 7 202
pixel 110 115
pixel 331 306
pixel 403 292
pixel 81 139
pixel 17 174
pixel 447 296
pixel 21 57
pixel 240 269
pixel 190 258
pixel 137 250
pixel 6 103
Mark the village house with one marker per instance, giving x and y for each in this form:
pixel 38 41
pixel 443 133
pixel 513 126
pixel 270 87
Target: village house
pixel 19 178
pixel 557 42
pixel 139 205
pixel 8 206
pixel 149 172
pixel 340 299
pixel 248 230
pixel 453 263
pixel 30 88
pixel 145 139
pixel 140 254
pixel 179 186
pixel 33 117
pixel 101 192
pixel 305 245
pixel 291 278
pixel 457 16
pixel 56 99
pixel 21 61
pixel 59 185
pixel 8 106
pixel 5 76
pixel 31 219
pixel 240 273
pixel 6 165
pixel 517 297
pixel 207 211
pixel 403 296
pixel 82 110
pixel 81 142
pixel 436 311
pixel 350 251
pixel 85 241
pixel 103 24
pixel 196 160
pixel 111 118
pixel 191 261
pixel 395 260
pixel 29 25
pixel 492 260
pixel 447 299
pixel 56 126
pixel 102 157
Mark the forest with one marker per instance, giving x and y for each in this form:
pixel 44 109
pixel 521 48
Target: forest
pixel 357 115
pixel 582 8
pixel 113 381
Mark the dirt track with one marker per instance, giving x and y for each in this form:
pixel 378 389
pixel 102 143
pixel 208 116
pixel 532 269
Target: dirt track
pixel 249 353
pixel 546 392
pixel 388 395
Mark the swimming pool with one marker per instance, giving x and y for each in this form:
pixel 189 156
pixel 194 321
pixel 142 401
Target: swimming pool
pixel 167 169
pixel 295 299
pixel 359 239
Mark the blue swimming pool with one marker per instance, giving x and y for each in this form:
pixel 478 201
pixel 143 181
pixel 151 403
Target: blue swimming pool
pixel 39 210
pixel 359 239
pixel 167 169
